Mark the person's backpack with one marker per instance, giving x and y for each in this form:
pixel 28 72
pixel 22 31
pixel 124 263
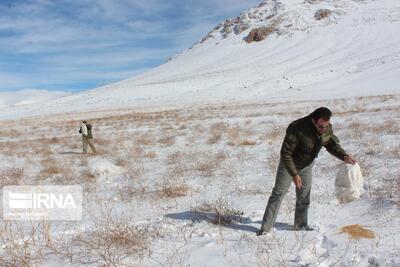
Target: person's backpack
pixel 348 183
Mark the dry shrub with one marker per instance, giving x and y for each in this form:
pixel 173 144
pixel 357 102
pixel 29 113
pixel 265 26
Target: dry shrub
pixel 24 246
pixel 273 158
pixel 136 153
pixel 356 231
pixel 54 140
pixel 218 212
pixel 389 189
pixel 205 169
pixel 173 191
pixel 130 192
pixel 322 13
pixel 167 140
pixel 216 131
pixel 122 161
pixel 112 239
pixel 175 157
pixel 182 127
pixel 51 166
pixel 135 170
pixel 144 139
pixel 11 176
pixel 60 172
pixel 233 134
pixel 175 172
pixel 150 155
pixel 274 134
pixel 220 156
pixel 248 143
pixel 214 138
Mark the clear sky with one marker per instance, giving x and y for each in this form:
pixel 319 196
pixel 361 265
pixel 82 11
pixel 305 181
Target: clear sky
pixel 73 45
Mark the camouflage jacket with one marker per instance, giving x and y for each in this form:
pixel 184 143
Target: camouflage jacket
pixel 302 144
pixel 89 131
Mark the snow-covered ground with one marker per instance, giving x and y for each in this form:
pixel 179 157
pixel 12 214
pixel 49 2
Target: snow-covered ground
pixel 352 52
pixel 153 191
pixel 200 136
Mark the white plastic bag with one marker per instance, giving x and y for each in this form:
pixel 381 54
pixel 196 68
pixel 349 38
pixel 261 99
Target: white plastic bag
pixel 348 183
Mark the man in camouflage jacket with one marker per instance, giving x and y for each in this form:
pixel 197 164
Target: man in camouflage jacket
pixel 304 139
pixel 87 137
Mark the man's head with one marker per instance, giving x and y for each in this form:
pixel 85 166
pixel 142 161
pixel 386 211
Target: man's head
pixel 320 118
pixel 83 121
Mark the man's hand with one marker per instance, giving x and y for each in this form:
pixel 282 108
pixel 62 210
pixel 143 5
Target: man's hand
pixel 297 181
pixel 348 159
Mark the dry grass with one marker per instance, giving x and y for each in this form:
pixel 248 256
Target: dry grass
pixel 167 140
pixel 11 176
pixel 24 246
pixel 274 135
pixel 150 155
pixel 110 241
pixel 233 135
pixel 173 191
pixel 356 231
pixel 216 131
pixel 54 140
pixel 50 166
pixel 144 139
pixel 248 143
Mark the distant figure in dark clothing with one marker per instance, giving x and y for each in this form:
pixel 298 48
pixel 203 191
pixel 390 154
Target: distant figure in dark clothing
pixel 87 137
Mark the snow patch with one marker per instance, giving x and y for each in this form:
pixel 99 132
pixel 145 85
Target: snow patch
pixel 103 167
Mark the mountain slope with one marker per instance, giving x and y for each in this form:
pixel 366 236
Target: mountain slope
pixel 352 51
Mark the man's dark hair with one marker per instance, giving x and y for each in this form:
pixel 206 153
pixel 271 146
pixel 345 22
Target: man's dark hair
pixel 83 121
pixel 321 112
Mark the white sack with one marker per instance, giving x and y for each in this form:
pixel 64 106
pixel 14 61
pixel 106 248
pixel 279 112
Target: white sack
pixel 348 183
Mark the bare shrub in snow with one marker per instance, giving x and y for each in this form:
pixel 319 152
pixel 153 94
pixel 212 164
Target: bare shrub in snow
pixel 51 166
pixel 167 140
pixel 137 152
pixel 54 140
pixel 274 135
pixel 144 139
pixel 175 158
pixel 233 135
pixel 150 154
pixel 214 138
pixel 248 143
pixel 112 239
pixel 173 191
pixel 216 131
pixel 122 161
pixel 395 151
pixel 389 189
pixel 207 163
pixel 322 13
pixel 24 246
pixel 135 170
pixel 11 176
pixel 220 212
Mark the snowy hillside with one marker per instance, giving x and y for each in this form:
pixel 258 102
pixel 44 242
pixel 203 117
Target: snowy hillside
pixel 28 96
pixel 314 49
